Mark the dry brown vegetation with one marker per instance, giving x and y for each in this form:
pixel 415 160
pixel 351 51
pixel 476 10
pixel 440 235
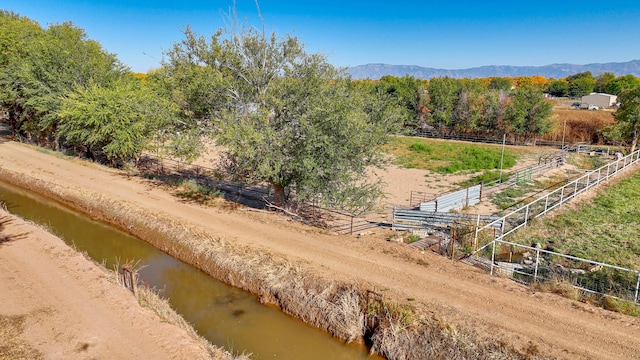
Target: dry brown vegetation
pixel 582 125
pixel 12 345
pixel 399 332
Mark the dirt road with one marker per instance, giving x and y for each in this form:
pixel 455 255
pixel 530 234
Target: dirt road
pixel 58 305
pixel 462 295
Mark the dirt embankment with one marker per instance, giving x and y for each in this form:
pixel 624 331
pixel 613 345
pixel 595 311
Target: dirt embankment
pixel 461 296
pixel 56 304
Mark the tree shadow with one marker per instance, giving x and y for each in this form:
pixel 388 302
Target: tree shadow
pixel 5 238
pixel 5 132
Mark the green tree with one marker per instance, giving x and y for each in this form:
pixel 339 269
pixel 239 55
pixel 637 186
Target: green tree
pixel 467 110
pixel 443 95
pixel 118 120
pixel 192 77
pixel 618 85
pixel 528 113
pixel 59 62
pixel 291 119
pixel 581 84
pixel 499 83
pixel 17 33
pixel 407 93
pixel 492 119
pixel 558 88
pixel 602 82
pixel 627 127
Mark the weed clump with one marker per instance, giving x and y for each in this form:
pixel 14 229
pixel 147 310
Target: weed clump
pixel 12 345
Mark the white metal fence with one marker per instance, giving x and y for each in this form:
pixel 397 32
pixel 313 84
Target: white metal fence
pixel 529 264
pixel 472 195
pixel 453 201
pixel 406 219
pixel 522 175
pixel 547 202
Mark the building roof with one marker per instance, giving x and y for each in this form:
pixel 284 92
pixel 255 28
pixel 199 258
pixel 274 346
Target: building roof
pixel 601 94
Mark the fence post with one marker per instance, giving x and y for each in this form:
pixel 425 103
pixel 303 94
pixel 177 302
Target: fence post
pixel 453 241
pixel 351 226
pixel 546 203
pixel 535 272
pixel 475 238
pixel 526 214
pixel 635 301
pixel 481 187
pixel 128 278
pixel 393 218
pixel 467 199
pixel 599 175
pixel 493 256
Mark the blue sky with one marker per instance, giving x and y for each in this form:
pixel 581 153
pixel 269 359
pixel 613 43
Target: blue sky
pixel 439 34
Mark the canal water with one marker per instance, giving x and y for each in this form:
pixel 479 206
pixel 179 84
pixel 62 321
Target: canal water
pixel 226 316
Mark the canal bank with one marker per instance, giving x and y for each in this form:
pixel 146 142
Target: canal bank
pixel 58 304
pixel 334 307
pixel 459 311
pixel 226 316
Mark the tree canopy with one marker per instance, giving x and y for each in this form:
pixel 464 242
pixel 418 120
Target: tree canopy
pixel 287 117
pixel 627 127
pixel 470 106
pixel 559 88
pixel 42 66
pixel 528 113
pixel 407 92
pixel 118 120
pixel 581 84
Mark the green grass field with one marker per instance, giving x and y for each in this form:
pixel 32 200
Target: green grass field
pixel 605 229
pixel 448 157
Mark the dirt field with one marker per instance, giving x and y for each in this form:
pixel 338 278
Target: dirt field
pixel 462 295
pixel 56 304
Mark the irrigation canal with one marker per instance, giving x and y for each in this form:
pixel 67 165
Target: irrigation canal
pixel 226 316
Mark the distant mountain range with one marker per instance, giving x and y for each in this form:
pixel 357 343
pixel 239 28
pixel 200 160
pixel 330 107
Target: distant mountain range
pixel 557 71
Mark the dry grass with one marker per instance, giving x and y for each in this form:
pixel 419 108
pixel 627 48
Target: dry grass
pixel 12 345
pixel 560 287
pixel 338 308
pixel 582 125
pixel 410 333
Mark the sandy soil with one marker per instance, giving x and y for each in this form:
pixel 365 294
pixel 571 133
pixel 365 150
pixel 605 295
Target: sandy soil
pixel 460 294
pixel 72 309
pixel 401 182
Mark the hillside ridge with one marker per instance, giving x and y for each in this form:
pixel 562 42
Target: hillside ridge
pixel 376 71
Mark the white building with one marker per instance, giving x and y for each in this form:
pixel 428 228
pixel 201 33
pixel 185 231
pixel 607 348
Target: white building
pixel 599 99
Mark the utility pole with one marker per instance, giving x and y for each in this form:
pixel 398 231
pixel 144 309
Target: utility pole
pixel 564 128
pixel 504 137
